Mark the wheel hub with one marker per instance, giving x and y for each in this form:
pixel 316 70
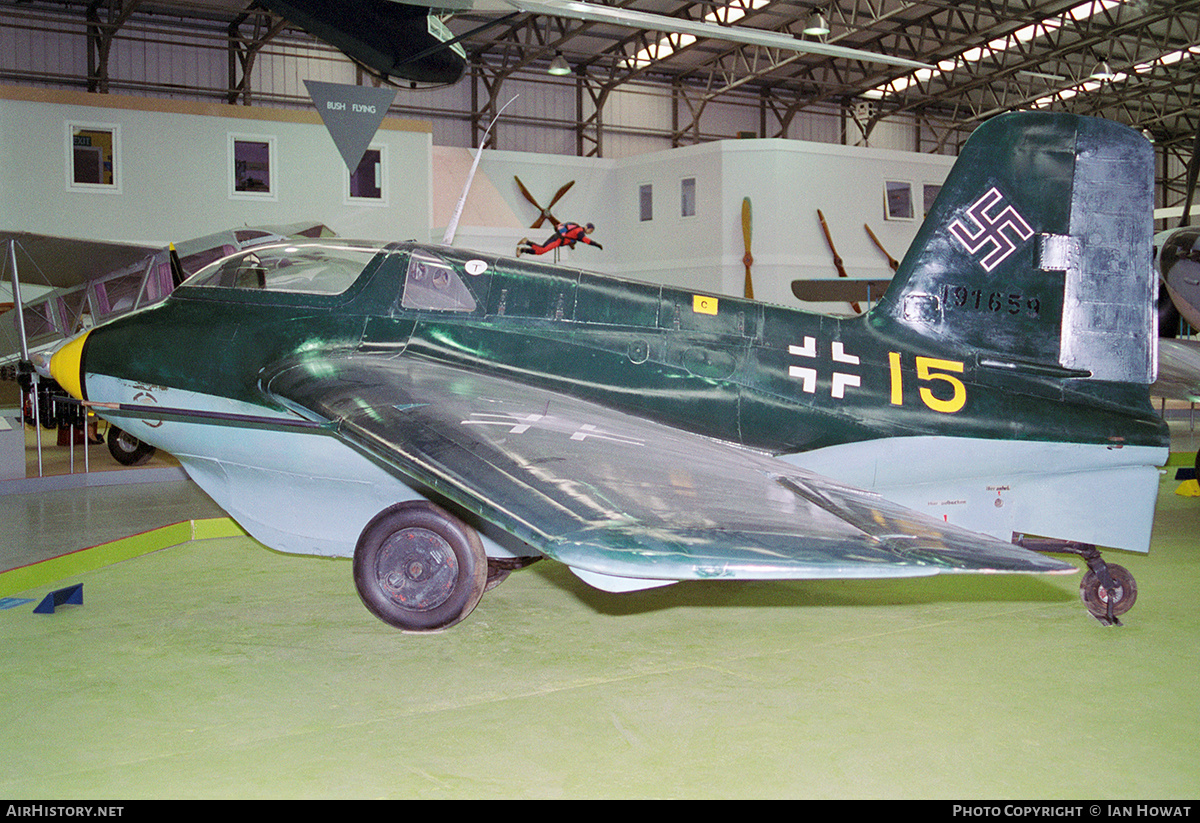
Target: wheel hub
pixel 417 569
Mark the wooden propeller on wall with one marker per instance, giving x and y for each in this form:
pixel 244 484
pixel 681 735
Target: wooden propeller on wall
pixel 747 259
pixel 837 261
pixel 543 213
pixel 893 263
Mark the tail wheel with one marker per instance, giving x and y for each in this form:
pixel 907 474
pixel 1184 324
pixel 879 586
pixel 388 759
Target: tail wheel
pixel 1095 596
pixel 127 449
pixel 419 568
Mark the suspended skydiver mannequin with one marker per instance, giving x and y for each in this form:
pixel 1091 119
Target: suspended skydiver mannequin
pixel 567 234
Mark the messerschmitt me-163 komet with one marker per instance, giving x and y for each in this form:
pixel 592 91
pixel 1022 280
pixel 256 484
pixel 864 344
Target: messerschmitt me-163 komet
pixel 445 416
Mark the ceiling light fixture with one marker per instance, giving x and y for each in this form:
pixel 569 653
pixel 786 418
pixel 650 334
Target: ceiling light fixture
pixel 1057 78
pixel 817 25
pixel 559 65
pixel 1089 85
pixel 1103 71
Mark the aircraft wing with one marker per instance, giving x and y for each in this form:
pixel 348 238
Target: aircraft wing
pixel 597 13
pixel 666 24
pixel 616 495
pixel 62 262
pixel 47 264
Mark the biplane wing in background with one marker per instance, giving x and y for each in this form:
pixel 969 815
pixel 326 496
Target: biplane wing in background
pixel 73 283
pixel 69 284
pixel 1178 370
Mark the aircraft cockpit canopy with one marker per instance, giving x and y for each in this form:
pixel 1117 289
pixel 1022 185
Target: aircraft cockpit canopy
pixel 302 267
pixel 430 282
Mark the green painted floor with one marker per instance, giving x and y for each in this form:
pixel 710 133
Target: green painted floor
pixel 219 669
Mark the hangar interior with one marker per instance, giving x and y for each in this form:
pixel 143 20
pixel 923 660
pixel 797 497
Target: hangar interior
pixel 201 664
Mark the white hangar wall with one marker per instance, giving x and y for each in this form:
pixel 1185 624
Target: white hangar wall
pixel 796 179
pixel 175 170
pixel 787 181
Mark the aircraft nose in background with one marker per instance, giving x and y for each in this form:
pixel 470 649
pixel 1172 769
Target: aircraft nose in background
pixel 66 366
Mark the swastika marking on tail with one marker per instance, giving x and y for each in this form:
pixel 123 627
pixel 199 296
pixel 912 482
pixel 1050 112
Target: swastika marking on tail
pixel 1000 228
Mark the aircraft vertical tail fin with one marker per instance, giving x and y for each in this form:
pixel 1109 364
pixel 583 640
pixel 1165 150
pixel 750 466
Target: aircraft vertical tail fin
pixel 1039 251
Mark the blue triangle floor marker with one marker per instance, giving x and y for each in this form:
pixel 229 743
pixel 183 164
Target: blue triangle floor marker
pixel 70 595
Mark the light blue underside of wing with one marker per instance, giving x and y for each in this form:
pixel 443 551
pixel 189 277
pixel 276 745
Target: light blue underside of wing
pixel 619 495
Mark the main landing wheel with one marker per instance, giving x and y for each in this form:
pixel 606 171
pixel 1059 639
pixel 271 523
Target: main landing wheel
pixel 419 568
pixel 1095 595
pixel 127 449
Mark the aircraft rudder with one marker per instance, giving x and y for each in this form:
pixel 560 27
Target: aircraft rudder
pixel 1039 249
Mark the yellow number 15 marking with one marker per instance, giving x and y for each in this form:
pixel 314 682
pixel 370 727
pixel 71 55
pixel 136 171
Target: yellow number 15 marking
pixel 930 369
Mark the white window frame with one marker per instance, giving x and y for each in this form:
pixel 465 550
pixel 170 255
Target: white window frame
pixel 101 188
pixel 272 167
pixel 644 187
pixel 887 203
pixel 382 199
pixel 695 197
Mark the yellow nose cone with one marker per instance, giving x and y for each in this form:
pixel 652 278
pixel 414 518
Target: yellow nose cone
pixel 66 366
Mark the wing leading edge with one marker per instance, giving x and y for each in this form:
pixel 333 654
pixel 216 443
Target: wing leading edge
pixel 616 495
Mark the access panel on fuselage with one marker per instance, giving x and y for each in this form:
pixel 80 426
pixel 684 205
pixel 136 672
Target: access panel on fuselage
pixel 531 291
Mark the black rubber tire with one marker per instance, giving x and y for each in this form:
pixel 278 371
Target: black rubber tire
pixel 127 449
pixel 419 568
pixel 45 412
pixel 1095 598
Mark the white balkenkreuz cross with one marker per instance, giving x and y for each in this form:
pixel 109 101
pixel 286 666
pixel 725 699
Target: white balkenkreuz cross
pixel 518 423
pixel 839 381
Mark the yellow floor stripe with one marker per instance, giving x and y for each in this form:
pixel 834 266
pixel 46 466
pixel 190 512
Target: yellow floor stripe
pixel 114 551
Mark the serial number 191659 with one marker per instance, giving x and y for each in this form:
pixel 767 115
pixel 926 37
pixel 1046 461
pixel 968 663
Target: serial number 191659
pixel 1013 303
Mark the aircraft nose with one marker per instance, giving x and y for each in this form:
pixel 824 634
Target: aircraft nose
pixel 66 366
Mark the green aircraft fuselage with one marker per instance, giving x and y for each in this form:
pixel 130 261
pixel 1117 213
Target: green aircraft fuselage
pixel 763 376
